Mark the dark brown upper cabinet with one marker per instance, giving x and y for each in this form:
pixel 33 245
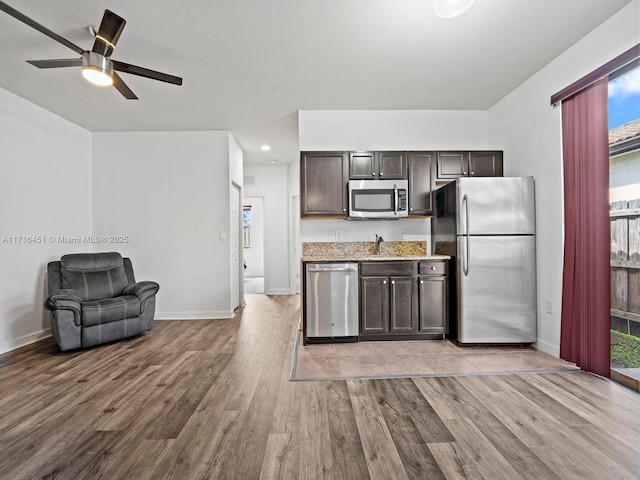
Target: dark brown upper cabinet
pixel 485 164
pixel 452 165
pixel 377 165
pixel 324 178
pixel 421 182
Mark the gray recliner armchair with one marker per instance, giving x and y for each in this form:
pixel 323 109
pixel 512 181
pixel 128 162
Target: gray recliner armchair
pixel 94 299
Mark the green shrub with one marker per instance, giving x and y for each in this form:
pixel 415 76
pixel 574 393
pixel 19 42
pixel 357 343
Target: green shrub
pixel 626 353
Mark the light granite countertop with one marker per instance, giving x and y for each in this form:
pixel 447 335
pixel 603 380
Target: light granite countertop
pixel 365 251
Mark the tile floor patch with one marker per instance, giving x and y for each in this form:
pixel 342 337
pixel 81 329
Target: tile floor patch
pixel 417 358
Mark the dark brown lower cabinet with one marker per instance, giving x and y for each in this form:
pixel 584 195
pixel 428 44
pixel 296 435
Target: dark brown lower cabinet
pixel 388 305
pixel 432 304
pixel 403 299
pixel 374 314
pixel 402 305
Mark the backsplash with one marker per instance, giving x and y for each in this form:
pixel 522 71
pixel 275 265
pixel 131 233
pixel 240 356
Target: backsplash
pixel 363 249
pixel 364 231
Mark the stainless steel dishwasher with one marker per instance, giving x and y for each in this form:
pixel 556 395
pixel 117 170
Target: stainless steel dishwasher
pixel 331 302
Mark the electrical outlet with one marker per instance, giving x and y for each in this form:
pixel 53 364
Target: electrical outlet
pixel 338 235
pixel 549 307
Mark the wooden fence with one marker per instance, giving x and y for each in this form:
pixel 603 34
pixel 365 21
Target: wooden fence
pixel 625 266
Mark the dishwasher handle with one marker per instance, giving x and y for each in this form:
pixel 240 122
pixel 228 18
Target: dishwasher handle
pixel 348 268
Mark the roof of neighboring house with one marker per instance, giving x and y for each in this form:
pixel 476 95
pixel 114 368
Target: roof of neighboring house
pixel 624 132
pixel 625 138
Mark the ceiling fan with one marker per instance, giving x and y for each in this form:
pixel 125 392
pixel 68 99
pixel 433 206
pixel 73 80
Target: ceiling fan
pixel 97 65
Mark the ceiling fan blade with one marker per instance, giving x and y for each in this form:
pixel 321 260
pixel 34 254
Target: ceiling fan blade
pixel 108 34
pixel 123 88
pixel 145 72
pixel 42 29
pixel 60 62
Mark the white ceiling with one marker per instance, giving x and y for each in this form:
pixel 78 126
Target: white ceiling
pixel 250 65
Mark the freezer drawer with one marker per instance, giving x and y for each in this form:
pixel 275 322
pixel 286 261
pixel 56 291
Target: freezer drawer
pixel 496 289
pixel 331 300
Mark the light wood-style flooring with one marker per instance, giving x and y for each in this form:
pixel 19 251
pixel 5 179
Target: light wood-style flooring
pixel 212 399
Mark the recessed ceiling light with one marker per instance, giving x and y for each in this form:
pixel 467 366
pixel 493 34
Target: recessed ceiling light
pixel 273 160
pixel 265 148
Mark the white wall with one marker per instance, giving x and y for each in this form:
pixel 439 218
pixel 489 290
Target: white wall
pixel 328 130
pixel 528 129
pixel 271 183
pixel 624 169
pixel 169 193
pixel 45 192
pixel 392 129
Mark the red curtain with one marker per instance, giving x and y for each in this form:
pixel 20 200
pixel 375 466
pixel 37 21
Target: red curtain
pixel 586 301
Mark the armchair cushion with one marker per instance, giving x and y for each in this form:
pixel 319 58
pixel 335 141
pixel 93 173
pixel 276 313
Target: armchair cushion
pixel 110 310
pixel 93 276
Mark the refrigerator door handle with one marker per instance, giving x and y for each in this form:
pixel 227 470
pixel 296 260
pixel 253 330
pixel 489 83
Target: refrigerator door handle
pixel 465 263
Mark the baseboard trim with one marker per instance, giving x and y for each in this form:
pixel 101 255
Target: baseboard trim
pixel 278 291
pixel 193 315
pixel 547 347
pixel 15 343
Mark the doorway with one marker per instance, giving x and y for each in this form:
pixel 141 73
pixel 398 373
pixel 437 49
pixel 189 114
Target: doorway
pixel 237 296
pixel 253 244
pixel 624 197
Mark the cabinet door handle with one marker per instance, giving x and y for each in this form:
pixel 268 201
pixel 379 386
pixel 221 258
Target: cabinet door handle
pixel 393 282
pixel 421 282
pixel 384 282
pixel 381 174
pixel 344 209
pixel 433 268
pixel 472 173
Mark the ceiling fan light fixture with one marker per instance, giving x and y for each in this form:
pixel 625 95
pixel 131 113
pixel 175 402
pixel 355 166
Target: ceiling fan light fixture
pixel 97 69
pixel 451 8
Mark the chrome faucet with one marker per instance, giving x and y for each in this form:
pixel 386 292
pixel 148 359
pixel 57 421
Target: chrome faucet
pixel 379 240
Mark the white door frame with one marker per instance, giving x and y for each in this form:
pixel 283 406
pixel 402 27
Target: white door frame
pixel 238 237
pixel 294 222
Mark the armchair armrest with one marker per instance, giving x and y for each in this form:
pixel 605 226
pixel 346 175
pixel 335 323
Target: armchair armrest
pixel 142 290
pixel 65 298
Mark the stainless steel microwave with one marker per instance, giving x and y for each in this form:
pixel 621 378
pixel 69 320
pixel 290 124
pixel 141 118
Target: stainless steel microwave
pixel 378 199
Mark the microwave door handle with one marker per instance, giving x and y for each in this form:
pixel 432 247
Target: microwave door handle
pixel 395 199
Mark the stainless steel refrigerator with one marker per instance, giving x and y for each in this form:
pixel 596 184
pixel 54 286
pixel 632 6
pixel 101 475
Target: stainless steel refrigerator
pixel 488 225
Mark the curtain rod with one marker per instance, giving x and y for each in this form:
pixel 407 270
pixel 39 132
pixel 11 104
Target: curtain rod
pixel 608 68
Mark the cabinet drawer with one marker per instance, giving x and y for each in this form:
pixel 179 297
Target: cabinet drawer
pixel 433 268
pixel 385 269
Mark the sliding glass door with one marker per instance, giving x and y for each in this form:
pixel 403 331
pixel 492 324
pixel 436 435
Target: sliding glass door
pixel 624 161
